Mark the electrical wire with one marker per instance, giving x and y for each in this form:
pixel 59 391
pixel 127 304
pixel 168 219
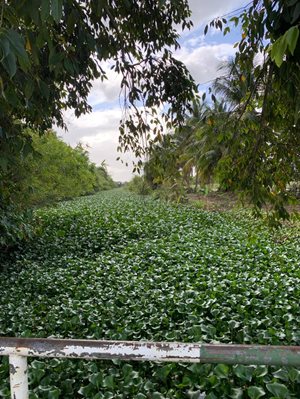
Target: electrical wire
pixel 238 10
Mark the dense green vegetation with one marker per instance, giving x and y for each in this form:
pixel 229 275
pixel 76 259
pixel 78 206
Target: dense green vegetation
pixel 246 136
pixel 55 171
pixel 222 142
pixel 260 137
pixel 114 266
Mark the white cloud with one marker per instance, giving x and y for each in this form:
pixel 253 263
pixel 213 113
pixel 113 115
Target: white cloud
pixel 100 119
pixel 203 11
pixel 203 62
pixel 100 132
pixel 106 149
pixel 107 90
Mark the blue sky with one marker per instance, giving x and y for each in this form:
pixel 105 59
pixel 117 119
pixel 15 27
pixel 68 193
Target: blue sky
pixel 201 54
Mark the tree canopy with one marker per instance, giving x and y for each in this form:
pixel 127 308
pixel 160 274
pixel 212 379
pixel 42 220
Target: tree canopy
pixel 246 136
pixel 261 136
pixel 51 51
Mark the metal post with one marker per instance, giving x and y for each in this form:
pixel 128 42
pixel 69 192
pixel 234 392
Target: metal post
pixel 18 377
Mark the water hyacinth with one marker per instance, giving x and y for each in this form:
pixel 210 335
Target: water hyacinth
pixel 116 266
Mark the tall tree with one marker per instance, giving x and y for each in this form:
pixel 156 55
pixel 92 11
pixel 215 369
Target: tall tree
pixel 263 151
pixel 52 50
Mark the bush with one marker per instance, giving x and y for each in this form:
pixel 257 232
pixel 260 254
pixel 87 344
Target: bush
pixel 171 191
pixel 139 186
pixel 14 226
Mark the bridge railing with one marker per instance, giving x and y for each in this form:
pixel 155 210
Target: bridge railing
pixel 19 349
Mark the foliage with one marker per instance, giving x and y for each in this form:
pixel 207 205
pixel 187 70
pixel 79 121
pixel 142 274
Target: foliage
pixel 15 226
pixel 103 179
pixel 51 51
pixel 186 159
pixel 262 132
pixel 139 185
pixel 58 171
pixel 55 171
pixel 115 267
pixel 217 143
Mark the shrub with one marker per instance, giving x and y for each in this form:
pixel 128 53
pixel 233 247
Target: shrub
pixel 139 186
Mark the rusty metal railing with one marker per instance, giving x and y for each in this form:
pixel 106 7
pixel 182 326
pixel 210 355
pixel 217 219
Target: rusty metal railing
pixel 18 349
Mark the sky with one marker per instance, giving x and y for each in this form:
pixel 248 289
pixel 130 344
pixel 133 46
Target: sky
pixel 201 54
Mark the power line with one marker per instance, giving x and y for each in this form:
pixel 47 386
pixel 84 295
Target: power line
pixel 233 12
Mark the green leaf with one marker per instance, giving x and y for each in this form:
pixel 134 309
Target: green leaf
pixel 44 89
pixel 4 46
pixel 243 372
pixel 45 9
pixel 261 371
pixel 211 395
pixel 296 13
pixel 96 379
pixel 221 370
pixel 226 30
pixel 294 375
pixel 291 37
pixel 3 163
pixel 17 45
pixel 164 371
pixel 236 393
pixel 87 390
pixel 255 392
pixel 53 393
pixel 109 382
pixel 278 390
pixel 235 20
pixel 56 9
pixel 281 374
pixel 10 64
pixel 29 88
pixel 278 50
pixel 36 364
pixel 127 370
pixel 157 395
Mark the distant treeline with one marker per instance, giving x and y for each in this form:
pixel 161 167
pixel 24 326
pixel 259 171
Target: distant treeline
pixel 53 171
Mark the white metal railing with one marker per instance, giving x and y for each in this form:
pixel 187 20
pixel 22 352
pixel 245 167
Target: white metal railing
pixel 18 349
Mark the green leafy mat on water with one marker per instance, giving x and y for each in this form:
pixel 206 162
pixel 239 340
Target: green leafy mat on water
pixel 115 266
